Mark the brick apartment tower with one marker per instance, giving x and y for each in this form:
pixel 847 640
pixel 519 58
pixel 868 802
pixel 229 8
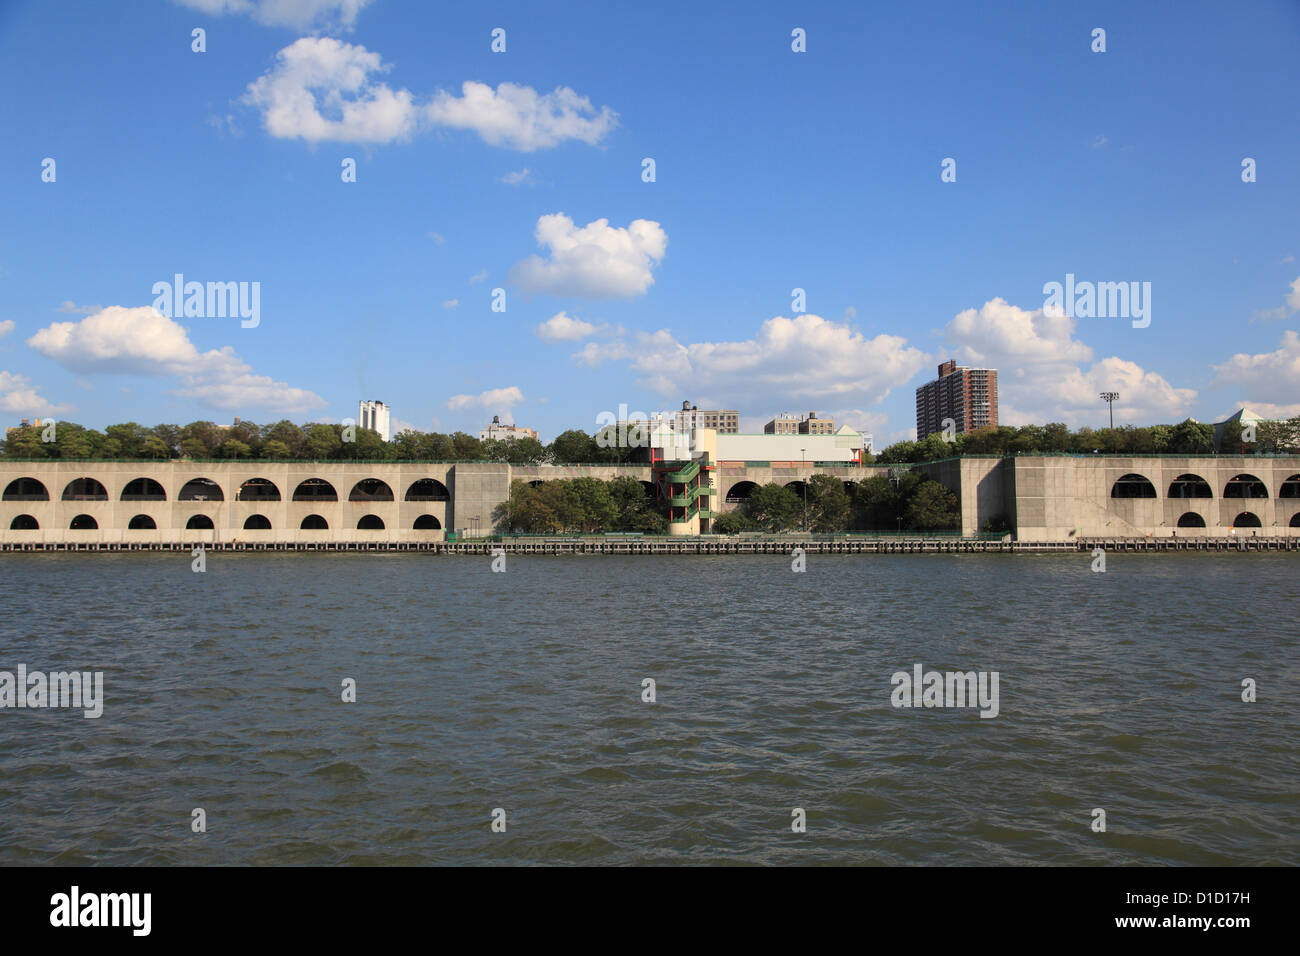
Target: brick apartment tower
pixel 969 396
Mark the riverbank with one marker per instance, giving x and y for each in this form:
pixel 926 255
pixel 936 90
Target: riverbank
pixel 712 544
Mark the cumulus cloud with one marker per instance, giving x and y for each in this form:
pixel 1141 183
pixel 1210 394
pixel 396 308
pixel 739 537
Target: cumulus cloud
pixel 18 396
pixel 1045 374
pixel 563 328
pixel 499 400
pixel 320 72
pixel 324 90
pixel 597 261
pixel 808 359
pixel 520 118
pixel 297 14
pixel 6 327
pixel 141 341
pixel 1290 306
pixel 1268 377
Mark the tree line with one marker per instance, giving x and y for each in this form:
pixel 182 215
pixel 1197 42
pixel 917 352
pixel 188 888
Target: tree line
pixel 907 502
pixel 286 441
pixel 1186 438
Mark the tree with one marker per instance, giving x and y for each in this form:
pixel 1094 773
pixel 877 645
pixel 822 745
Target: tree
pixel 573 446
pixel 876 505
pixel 828 504
pixel 323 442
pixel 274 450
pixel 733 522
pixel 932 507
pixel 774 508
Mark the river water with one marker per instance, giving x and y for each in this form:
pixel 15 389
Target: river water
pixel 522 690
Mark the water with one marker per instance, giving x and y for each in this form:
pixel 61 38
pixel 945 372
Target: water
pixel 523 691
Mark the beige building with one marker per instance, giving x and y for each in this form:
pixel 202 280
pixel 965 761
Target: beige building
pixel 498 431
pixel 793 425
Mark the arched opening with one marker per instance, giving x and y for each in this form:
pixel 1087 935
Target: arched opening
pixel 258 489
pixel 1247 519
pixel 1191 519
pixel 201 489
pixel 257 523
pixel 83 523
pixel 371 489
pixel 426 523
pixel 850 489
pixel 26 489
pixel 649 488
pixel 143 489
pixel 142 523
pixel 370 523
pixel 85 489
pixel 1295 520
pixel 199 523
pixel 315 489
pixel 24 523
pixel 1290 488
pixel 1245 486
pixel 427 489
pixel 314 523
pixel 1132 486
pixel 1190 486
pixel 741 491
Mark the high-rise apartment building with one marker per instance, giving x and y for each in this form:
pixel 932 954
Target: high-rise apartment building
pixel 969 396
pixel 374 415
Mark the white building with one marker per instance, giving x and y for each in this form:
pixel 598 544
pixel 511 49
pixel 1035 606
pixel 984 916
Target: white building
pixel 374 415
pixel 499 431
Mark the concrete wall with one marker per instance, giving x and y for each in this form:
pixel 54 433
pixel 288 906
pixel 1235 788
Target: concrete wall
pixel 1044 499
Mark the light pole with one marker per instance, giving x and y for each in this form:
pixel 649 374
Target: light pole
pixel 1110 398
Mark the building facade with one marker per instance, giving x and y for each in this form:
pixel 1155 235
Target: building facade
pixel 968 396
pixel 793 425
pixel 372 415
pixel 500 431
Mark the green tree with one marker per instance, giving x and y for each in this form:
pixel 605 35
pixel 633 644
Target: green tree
pixel 274 450
pixel 573 446
pixel 932 507
pixel 323 442
pixel 828 504
pixel 774 508
pixel 733 522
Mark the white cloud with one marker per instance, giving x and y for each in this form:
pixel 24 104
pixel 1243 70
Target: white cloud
pixel 68 306
pixel 6 327
pixel 1047 375
pixel 1099 141
pixel 320 72
pixel 598 261
pixel 499 400
pixel 451 303
pixel 1290 305
pixel 438 237
pixel 478 277
pixel 518 117
pixel 18 396
pixel 805 360
pixel 324 90
pixel 1269 377
pixel 563 328
pixel 520 177
pixel 141 341
pixel 298 14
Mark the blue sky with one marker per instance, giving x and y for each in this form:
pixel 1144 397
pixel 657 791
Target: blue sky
pixel 775 170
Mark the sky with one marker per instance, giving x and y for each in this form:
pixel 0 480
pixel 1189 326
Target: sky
pixel 922 172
